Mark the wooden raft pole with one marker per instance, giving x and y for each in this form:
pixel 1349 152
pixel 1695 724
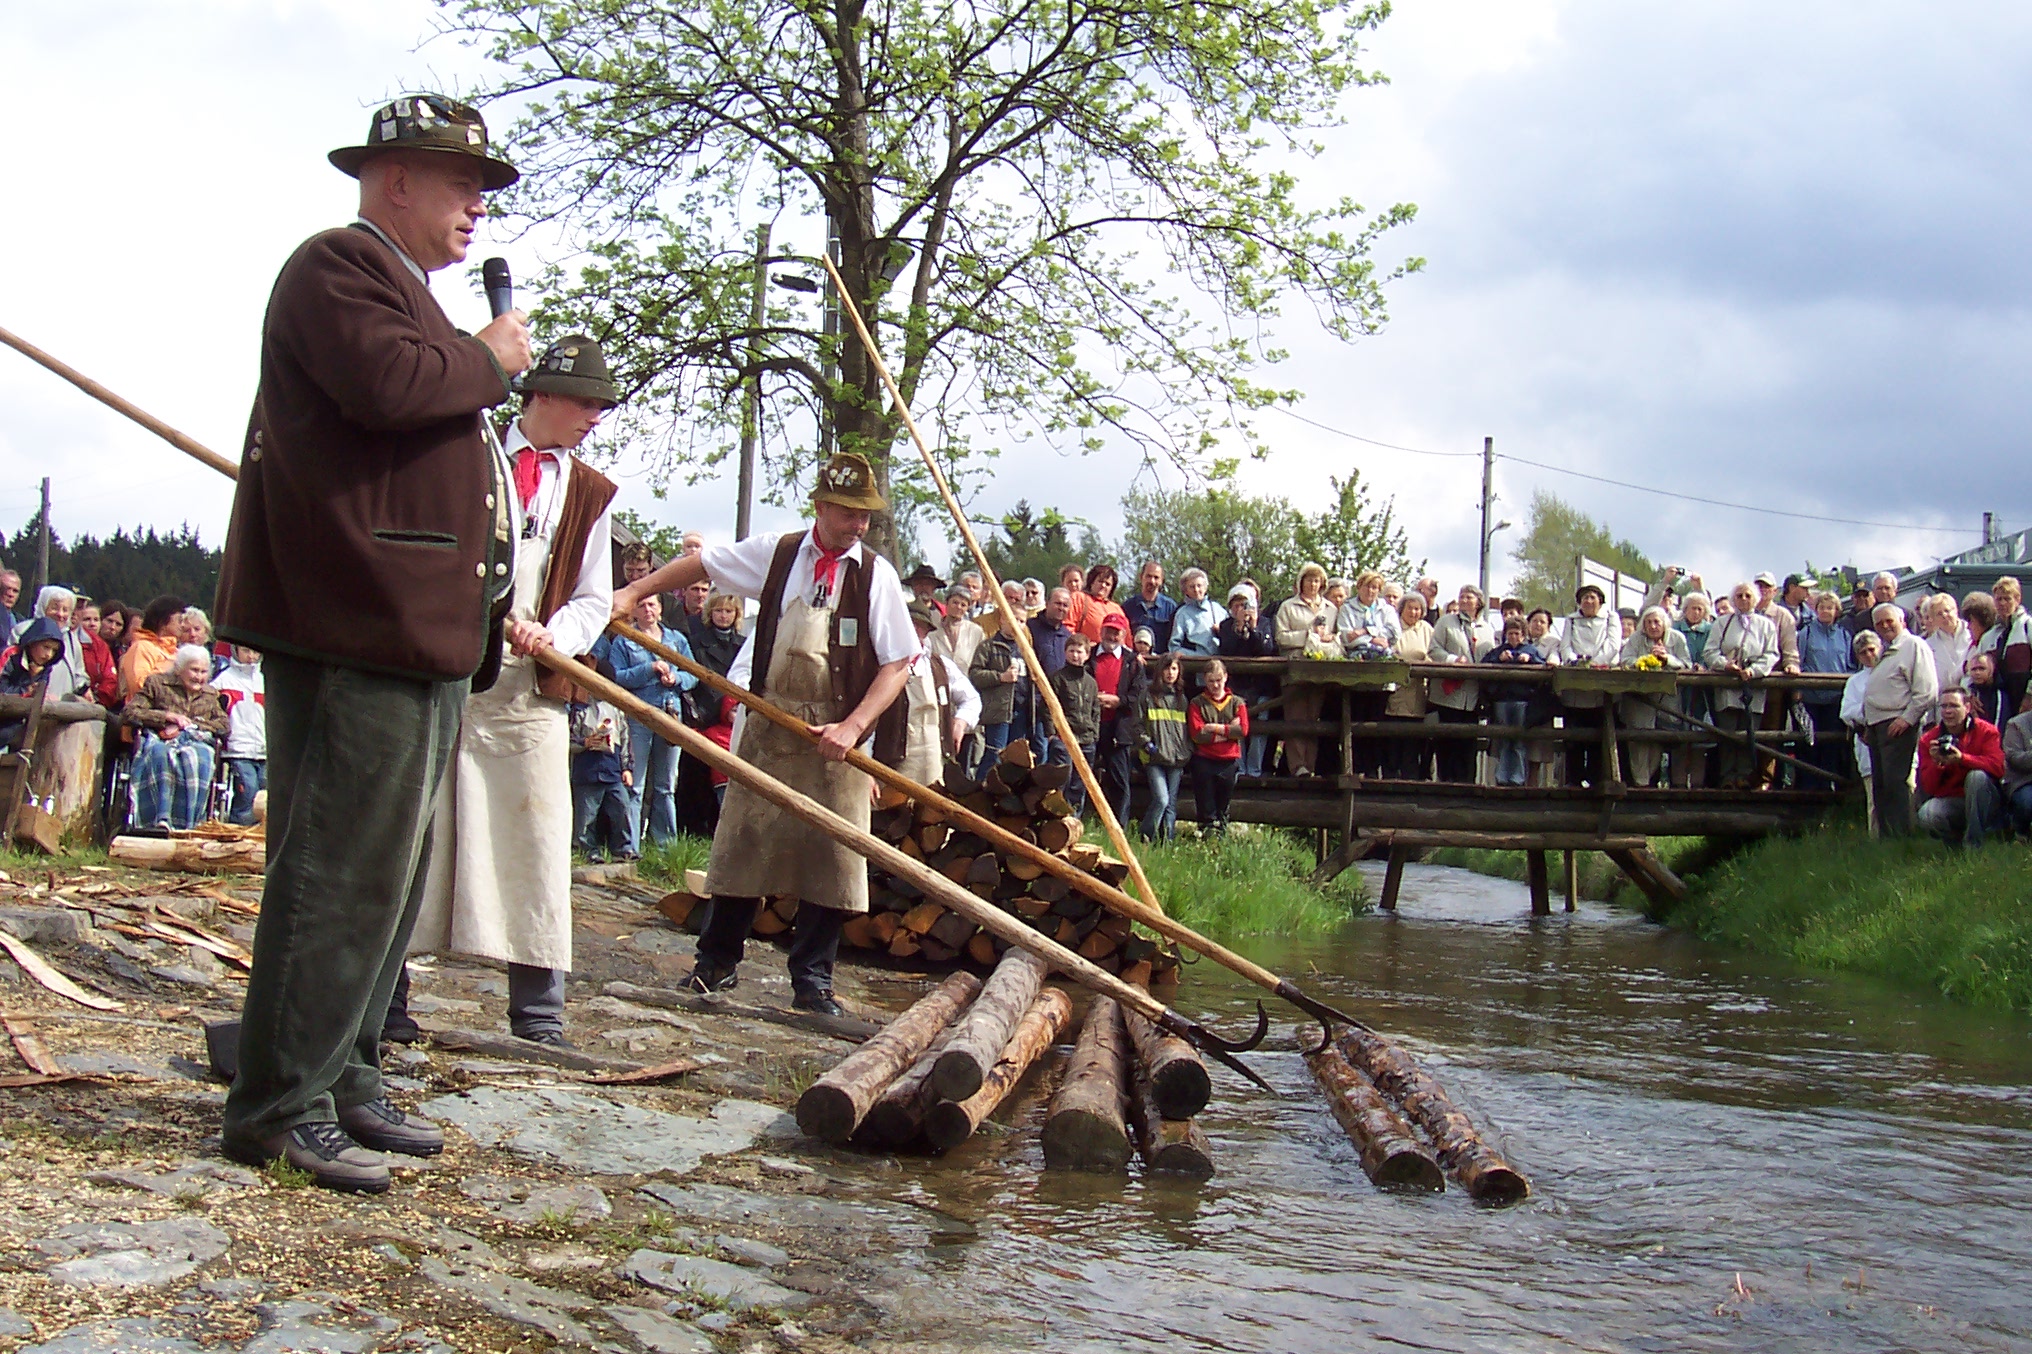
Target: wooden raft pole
pixel 1392 1156
pixel 948 1123
pixel 836 1103
pixel 981 1034
pixel 1087 1129
pixel 1479 1167
pixel 1176 1073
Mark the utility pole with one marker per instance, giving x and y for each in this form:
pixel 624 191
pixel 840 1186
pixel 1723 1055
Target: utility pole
pixel 1488 505
pixel 42 555
pixel 751 398
pixel 1989 527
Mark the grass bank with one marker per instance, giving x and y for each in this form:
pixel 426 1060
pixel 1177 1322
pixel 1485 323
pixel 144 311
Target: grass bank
pixel 1249 884
pixel 1910 911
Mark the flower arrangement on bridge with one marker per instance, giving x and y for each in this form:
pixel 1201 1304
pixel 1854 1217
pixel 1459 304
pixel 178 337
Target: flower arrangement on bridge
pixel 1650 662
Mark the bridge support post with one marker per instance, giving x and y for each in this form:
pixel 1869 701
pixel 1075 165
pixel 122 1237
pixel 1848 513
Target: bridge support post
pixel 1572 878
pixel 1393 877
pixel 1541 885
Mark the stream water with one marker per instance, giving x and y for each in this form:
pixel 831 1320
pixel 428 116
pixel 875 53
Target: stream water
pixel 1727 1153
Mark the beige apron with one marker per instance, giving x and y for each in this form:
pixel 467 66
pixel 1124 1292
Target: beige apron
pixel 924 758
pixel 499 881
pixel 759 850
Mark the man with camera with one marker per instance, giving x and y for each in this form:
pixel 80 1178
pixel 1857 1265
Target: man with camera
pixel 1961 774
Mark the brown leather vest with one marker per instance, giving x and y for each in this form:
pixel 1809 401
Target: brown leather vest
pixel 586 495
pixel 853 666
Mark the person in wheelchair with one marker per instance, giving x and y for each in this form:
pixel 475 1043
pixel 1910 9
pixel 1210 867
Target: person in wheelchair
pixel 178 723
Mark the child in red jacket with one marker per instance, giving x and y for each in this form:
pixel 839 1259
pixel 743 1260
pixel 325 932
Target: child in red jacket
pixel 1217 722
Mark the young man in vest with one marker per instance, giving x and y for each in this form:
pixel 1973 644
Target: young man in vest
pixel 499 882
pixel 944 706
pixel 831 645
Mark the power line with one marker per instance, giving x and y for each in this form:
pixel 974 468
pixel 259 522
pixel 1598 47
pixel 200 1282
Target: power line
pixel 1701 499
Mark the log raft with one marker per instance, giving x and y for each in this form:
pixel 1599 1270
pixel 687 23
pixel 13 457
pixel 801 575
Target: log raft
pixel 1087 1129
pixel 837 1102
pixel 1392 1156
pixel 1168 1146
pixel 1176 1072
pixel 948 1123
pixel 980 1035
pixel 1481 1170
pixel 895 1121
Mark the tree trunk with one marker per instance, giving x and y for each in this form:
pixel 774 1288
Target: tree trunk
pixel 1087 1130
pixel 1169 1146
pixel 192 855
pixel 982 1033
pixel 1173 1067
pixel 1479 1167
pixel 896 1119
pixel 1391 1155
pixel 834 1106
pixel 949 1123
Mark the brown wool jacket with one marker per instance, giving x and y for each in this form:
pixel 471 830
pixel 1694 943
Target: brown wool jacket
pixel 362 528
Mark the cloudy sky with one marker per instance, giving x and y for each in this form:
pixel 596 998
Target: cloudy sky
pixel 1762 255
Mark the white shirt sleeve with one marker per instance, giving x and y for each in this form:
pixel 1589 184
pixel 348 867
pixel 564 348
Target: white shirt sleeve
pixel 966 701
pixel 582 620
pixel 743 567
pixel 889 626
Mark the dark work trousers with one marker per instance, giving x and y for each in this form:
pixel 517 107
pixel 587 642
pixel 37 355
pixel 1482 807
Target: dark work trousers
pixel 1584 757
pixel 1891 777
pixel 1777 708
pixel 1117 770
pixel 1830 750
pixel 1213 790
pixel 698 808
pixel 535 1003
pixel 814 940
pixel 1457 757
pixel 354 764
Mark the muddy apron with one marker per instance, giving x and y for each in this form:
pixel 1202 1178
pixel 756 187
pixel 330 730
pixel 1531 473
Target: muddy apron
pixel 499 881
pixel 924 759
pixel 759 850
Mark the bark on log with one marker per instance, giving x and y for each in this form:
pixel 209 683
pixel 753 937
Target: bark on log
pixel 896 1119
pixel 948 1123
pixel 1479 1167
pixel 984 1031
pixel 1088 1128
pixel 1392 1156
pixel 1169 1146
pixel 836 1103
pixel 1177 1075
pixel 192 855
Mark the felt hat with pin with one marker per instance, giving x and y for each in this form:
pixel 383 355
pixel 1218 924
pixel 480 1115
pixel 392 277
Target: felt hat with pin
pixel 574 365
pixel 848 481
pixel 428 122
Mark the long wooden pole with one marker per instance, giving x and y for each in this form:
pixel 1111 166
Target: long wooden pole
pixel 1018 631
pixel 188 445
pixel 934 885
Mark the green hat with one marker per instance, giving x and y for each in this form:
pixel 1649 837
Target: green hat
pixel 428 122
pixel 574 365
pixel 925 614
pixel 849 481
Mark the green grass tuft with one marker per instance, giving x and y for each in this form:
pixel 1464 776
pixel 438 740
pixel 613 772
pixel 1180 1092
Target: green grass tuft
pixel 666 862
pixel 1249 883
pixel 282 1175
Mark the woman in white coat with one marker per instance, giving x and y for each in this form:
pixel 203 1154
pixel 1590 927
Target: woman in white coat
pixel 1591 638
pixel 1654 638
pixel 1294 625
pixel 1744 645
pixel 1462 635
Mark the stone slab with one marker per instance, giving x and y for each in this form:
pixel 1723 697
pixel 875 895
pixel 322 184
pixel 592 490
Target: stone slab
pixel 734 1285
pixel 129 1335
pixel 587 1132
pixel 131 1254
pixel 186 1178
pixel 660 1334
pixel 511 1299
pixel 724 1203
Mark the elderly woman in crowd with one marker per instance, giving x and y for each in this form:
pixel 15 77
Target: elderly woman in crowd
pixel 67 676
pixel 178 722
pixel 1592 638
pixel 1408 758
pixel 958 636
pixel 1367 628
pixel 1654 638
pixel 1979 669
pixel 1244 635
pixel 1695 623
pixel 1940 625
pixel 1293 629
pixel 1463 635
pixel 1826 645
pixel 1744 645
pixel 1198 617
pixel 1867 649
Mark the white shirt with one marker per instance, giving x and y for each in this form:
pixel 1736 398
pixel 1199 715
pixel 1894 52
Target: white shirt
pixel 966 700
pixel 743 568
pixel 583 618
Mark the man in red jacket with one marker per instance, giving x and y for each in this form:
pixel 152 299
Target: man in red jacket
pixel 1961 774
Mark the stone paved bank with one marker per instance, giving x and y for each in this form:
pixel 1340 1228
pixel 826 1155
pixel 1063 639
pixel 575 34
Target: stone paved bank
pixel 681 1216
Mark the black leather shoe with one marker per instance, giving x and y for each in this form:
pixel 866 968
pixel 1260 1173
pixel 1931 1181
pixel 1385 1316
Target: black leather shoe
pixel 706 979
pixel 383 1128
pixel 402 1032
pixel 819 1002
pixel 548 1038
pixel 326 1152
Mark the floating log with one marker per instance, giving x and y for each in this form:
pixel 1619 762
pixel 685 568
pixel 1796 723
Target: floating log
pixel 1167 1146
pixel 1392 1156
pixel 1177 1075
pixel 192 855
pixel 948 1123
pixel 896 1119
pixel 984 1031
pixel 836 1103
pixel 1479 1167
pixel 1088 1128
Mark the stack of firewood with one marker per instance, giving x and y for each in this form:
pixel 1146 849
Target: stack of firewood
pixel 1022 798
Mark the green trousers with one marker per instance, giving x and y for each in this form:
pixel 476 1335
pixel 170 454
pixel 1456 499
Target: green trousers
pixel 354 764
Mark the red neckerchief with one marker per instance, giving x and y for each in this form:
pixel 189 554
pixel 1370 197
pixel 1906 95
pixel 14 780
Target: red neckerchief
pixel 529 472
pixel 825 570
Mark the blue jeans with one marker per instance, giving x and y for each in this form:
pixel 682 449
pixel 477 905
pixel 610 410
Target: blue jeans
pixel 250 778
pixel 655 766
pixel 1162 815
pixel 994 737
pixel 2021 807
pixel 1965 819
pixel 1076 789
pixel 621 806
pixel 1511 768
pixel 1253 750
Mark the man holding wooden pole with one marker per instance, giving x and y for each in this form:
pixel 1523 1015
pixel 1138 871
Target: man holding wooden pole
pixel 832 645
pixel 369 539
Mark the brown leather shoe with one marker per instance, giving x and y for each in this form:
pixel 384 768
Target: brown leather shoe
pixel 383 1128
pixel 323 1150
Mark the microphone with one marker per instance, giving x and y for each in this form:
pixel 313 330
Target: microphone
pixel 500 286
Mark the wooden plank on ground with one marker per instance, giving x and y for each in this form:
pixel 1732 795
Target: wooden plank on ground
pixel 46 973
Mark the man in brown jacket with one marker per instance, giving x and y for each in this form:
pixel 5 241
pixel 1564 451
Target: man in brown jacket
pixel 370 535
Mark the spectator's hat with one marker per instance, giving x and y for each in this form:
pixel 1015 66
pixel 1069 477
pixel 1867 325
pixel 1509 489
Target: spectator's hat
pixel 1766 579
pixel 1144 632
pixel 1796 580
pixel 848 481
pixel 1116 619
pixel 923 574
pixel 1242 590
pixel 1586 588
pixel 1628 613
pixel 925 614
pixel 575 366
pixel 428 122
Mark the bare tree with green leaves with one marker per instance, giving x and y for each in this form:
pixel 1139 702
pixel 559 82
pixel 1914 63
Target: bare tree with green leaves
pixel 1070 222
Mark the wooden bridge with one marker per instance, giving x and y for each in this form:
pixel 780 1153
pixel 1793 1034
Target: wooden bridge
pixel 1356 816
